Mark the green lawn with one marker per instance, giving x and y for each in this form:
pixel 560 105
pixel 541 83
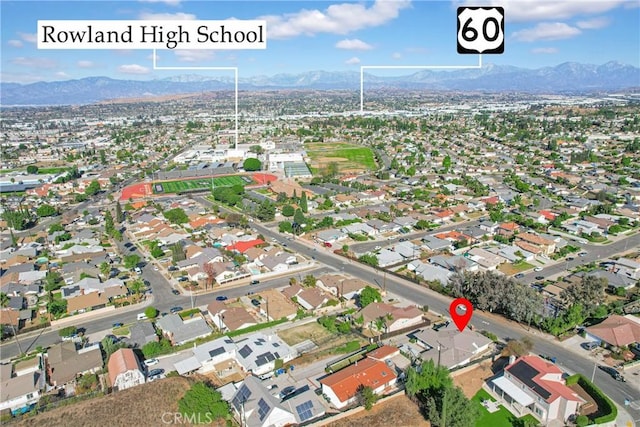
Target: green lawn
pixel 501 418
pixel 348 156
pixel 201 183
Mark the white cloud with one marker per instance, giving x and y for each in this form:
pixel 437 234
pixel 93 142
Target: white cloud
pixel 133 69
pixel 396 55
pixel 353 44
pixel 61 75
pixel 167 2
pixel 547 31
pixel 15 43
pixel 193 55
pixel 352 61
pixel 544 50
pixel 85 64
pixel 29 37
pixel 594 24
pixel 336 19
pixel 34 62
pixel 150 56
pixel 20 78
pixel 167 16
pixel 537 10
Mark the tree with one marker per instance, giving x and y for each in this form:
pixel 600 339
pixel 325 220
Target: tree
pixel 446 163
pixel 151 312
pixel 4 300
pixel 131 261
pixel 105 269
pixel 108 222
pixel 266 211
pixel 252 164
pixel 93 188
pixel 68 331
pixel 370 259
pixel 57 307
pixel 136 286
pixel 366 397
pixel 46 210
pixel 303 202
pixel 298 217
pixel 211 273
pixel 33 169
pixel 427 377
pixel 285 227
pixel 309 281
pixel 177 215
pixel 449 407
pixel 288 210
pixel 589 292
pixel 368 296
pixel 202 402
pixel 119 213
pixel 55 227
pixel 109 347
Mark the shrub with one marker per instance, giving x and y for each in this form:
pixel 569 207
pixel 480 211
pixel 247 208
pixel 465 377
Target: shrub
pixel 582 421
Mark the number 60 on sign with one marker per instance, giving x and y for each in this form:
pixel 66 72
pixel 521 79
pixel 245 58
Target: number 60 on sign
pixel 480 30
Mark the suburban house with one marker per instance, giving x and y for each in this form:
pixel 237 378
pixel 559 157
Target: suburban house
pixel 141 333
pixel 342 387
pixel 338 285
pixel 256 407
pixel 395 318
pixel 180 331
pixel 449 347
pixel 543 245
pixel 19 393
pixel 309 298
pixel 63 363
pixel 125 370
pixel 531 384
pixel 616 330
pixel 230 318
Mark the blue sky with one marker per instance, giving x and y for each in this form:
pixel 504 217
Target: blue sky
pixel 328 35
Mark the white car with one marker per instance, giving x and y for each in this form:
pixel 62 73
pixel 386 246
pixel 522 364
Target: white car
pixel 151 362
pixel 537 269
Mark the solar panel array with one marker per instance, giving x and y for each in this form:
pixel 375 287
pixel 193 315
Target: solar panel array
pixel 305 410
pixel 263 409
pixel 242 396
pixel 265 358
pixel 245 351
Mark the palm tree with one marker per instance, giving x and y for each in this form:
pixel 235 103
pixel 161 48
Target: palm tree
pixel 4 300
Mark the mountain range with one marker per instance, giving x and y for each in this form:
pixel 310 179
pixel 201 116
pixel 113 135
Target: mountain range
pixel 569 77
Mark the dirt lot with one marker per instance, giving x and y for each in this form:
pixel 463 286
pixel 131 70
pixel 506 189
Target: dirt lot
pixel 470 382
pixel 311 331
pixel 143 406
pixel 397 412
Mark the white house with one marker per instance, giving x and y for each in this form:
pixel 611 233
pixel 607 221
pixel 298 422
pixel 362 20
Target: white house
pixel 18 393
pixel 125 370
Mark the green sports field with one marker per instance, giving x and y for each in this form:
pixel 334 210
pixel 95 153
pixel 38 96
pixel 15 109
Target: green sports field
pixel 200 184
pixel 348 156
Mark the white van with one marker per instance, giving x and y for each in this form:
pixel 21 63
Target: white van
pixel 137 270
pixel 142 316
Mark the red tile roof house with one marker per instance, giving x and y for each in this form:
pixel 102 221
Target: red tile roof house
pixel 616 330
pixel 533 385
pixel 342 387
pixel 125 370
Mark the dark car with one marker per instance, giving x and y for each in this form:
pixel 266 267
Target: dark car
pixel 611 371
pixel 254 282
pixel 117 325
pixel 221 298
pixel 183 279
pixel 255 302
pixel 175 309
pixel 287 391
pixel 175 292
pixel 154 372
pixel 519 275
pixel 403 239
pixel 539 277
pixel 172 268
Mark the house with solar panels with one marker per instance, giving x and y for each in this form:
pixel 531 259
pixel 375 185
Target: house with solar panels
pixel 254 406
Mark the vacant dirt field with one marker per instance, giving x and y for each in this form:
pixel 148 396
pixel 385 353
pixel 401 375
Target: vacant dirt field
pixel 396 412
pixel 470 382
pixel 143 405
pixel 311 331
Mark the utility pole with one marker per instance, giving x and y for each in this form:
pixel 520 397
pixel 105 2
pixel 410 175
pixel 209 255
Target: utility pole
pixel 593 375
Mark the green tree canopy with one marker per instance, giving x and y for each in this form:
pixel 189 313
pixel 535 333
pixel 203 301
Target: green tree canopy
pixel 176 216
pixel 252 164
pixel 46 210
pixel 288 210
pixel 93 188
pixel 151 312
pixel 369 295
pixel 202 402
pixel 131 261
pixel 32 169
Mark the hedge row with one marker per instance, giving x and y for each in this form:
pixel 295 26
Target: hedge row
pixel 605 405
pixel 254 328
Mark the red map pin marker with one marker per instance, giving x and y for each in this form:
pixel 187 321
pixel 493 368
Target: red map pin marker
pixel 461 311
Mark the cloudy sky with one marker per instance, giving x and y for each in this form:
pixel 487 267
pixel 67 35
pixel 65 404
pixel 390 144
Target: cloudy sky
pixel 327 35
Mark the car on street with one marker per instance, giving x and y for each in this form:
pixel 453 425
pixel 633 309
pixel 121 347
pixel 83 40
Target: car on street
pixel 287 391
pixel 221 298
pixel 172 268
pixel 254 282
pixel 582 254
pixel 175 309
pixel 154 372
pixel 255 302
pixel 519 275
pixel 570 258
pixel 611 371
pixel 155 268
pixel 539 277
pixel 402 239
pixel 537 269
pixel 175 292
pixel 117 325
pixel 151 362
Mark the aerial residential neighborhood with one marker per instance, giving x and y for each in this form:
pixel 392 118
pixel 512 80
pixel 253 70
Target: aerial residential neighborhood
pixel 180 249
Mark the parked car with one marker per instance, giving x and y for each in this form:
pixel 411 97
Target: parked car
pixel 151 362
pixel 519 275
pixel 272 386
pixel 611 371
pixel 175 309
pixel 254 282
pixel 287 391
pixel 539 277
pixel 117 325
pixel 221 298
pixel 402 239
pixel 172 268
pixel 183 279
pixel 255 302
pixel 154 372
pixel 582 254
pixel 590 345
pixel 175 292
pixel 537 269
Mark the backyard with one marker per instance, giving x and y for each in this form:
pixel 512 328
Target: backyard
pixel 312 331
pixel 500 418
pixel 349 157
pixel 518 267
